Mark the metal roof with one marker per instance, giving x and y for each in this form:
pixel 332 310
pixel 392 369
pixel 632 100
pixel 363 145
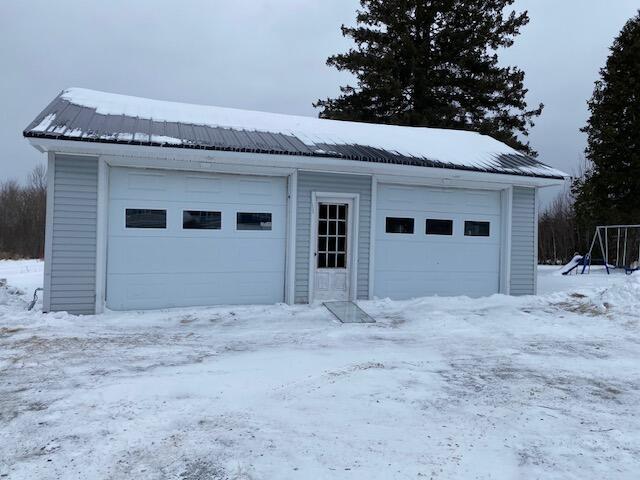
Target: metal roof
pixel 68 119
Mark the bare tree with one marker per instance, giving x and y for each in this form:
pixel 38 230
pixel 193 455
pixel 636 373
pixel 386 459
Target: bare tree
pixel 22 216
pixel 561 234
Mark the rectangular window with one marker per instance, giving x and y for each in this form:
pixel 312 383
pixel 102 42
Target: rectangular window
pixel 145 218
pixel 201 220
pixel 476 229
pixel 438 227
pixel 332 235
pixel 399 225
pixel 253 221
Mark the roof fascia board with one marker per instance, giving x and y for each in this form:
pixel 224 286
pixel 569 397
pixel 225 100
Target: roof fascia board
pixel 286 161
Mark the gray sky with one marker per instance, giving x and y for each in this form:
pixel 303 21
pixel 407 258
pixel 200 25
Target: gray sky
pixel 264 55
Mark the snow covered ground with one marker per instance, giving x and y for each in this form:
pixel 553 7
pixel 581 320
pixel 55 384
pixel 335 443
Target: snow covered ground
pixel 444 388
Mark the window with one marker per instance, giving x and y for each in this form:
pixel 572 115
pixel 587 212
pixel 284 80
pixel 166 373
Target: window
pixel 476 229
pixel 438 227
pixel 253 221
pixel 399 225
pixel 332 235
pixel 145 218
pixel 201 220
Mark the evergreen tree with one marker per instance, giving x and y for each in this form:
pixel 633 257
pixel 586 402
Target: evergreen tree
pixel 610 191
pixel 434 63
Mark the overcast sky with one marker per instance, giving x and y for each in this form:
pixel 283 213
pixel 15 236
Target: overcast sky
pixel 264 55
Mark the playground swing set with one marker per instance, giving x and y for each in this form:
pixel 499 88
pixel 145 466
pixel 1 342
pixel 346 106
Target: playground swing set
pixel 627 257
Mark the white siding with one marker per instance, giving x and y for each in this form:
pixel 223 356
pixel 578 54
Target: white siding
pixel 309 182
pixel 73 252
pixel 523 255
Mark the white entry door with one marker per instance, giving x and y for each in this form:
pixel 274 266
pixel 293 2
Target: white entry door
pixel 332 249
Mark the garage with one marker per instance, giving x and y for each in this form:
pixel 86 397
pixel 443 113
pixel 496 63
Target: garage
pixel 184 238
pixel 436 241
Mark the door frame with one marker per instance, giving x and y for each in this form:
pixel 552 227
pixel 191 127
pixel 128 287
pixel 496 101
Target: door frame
pixel 352 239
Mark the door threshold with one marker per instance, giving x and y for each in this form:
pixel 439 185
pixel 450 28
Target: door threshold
pixel 348 312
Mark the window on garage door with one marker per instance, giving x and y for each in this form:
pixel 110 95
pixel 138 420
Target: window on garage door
pixel 201 220
pixel 145 218
pixel 253 221
pixel 399 225
pixel 476 229
pixel 438 227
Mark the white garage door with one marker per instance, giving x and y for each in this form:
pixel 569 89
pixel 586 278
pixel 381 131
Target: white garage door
pixel 432 241
pixel 181 239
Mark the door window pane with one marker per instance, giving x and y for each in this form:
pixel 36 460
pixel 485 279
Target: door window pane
pixel 332 235
pixel 253 221
pixel 399 225
pixel 201 220
pixel 145 218
pixel 439 227
pixel 476 229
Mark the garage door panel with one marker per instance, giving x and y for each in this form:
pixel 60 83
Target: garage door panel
pixel 182 290
pixel 195 255
pixel 117 213
pixel 443 200
pixel 417 264
pixel 420 218
pixel 174 266
pixel 434 259
pixel 400 287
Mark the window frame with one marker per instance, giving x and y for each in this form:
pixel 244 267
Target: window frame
pixel 238 229
pixel 219 212
pixel 426 227
pixel 386 225
pixel 126 215
pixel 478 222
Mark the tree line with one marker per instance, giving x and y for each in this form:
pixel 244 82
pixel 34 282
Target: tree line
pixel 607 190
pixel 22 216
pixel 434 63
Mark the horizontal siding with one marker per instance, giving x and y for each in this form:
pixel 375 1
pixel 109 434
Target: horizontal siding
pixel 73 254
pixel 523 241
pixel 309 182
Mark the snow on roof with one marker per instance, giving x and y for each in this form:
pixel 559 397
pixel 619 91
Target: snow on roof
pixel 82 114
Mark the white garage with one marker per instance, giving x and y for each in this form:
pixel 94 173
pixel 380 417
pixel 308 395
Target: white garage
pixel 155 204
pixel 435 241
pixel 178 239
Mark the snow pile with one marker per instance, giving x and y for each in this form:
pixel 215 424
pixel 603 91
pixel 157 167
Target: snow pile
pixel 624 296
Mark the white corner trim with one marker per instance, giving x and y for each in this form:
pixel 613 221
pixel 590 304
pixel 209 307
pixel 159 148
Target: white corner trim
pixel 312 247
pixel 505 247
pixel 102 215
pixel 372 234
pixel 535 241
pixel 352 239
pixel 48 231
pixel 290 255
